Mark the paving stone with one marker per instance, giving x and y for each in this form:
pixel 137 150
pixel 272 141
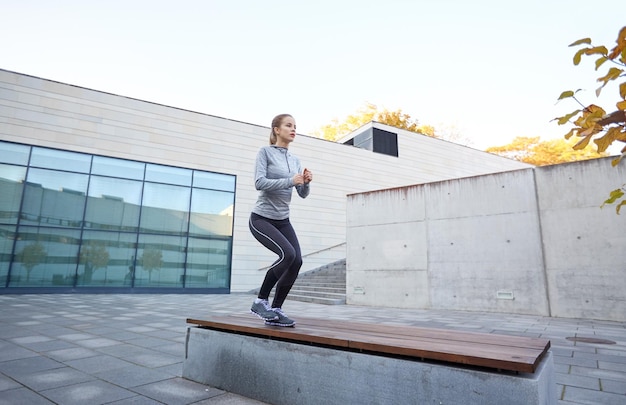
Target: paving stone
pixel 91 392
pixel 97 343
pixel 133 376
pixel 7 383
pixel 580 381
pixel 177 391
pixel 598 373
pixel 592 397
pixel 616 387
pixel 28 365
pixel 73 353
pixel 10 351
pixel 136 400
pixel 97 363
pixel 23 396
pixel 54 378
pixel 228 399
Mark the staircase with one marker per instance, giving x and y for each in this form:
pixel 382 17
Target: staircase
pixel 323 285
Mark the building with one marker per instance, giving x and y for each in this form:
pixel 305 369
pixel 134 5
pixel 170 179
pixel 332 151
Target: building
pixel 106 193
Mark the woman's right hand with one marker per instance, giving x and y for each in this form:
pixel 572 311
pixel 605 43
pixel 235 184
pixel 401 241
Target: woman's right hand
pixel 298 179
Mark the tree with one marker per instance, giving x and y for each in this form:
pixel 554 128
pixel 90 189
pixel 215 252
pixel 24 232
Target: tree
pixel 151 259
pixel 30 256
pixel 539 153
pixel 94 256
pixel 592 122
pixel 370 112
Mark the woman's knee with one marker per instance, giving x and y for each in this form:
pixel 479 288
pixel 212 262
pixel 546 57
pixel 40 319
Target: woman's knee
pixel 292 257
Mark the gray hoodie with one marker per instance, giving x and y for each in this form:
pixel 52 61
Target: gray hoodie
pixel 273 177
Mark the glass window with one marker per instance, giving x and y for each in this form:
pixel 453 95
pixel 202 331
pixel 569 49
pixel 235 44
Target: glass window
pixel 45 257
pixel 215 181
pixel 160 261
pixel 14 154
pixel 54 198
pixel 113 204
pixel 167 174
pixel 64 226
pixel 208 263
pixel 11 188
pixel 107 259
pixel 7 237
pixel 165 209
pixel 125 169
pixel 60 160
pixel 211 212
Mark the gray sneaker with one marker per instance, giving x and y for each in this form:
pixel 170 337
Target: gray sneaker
pixel 282 320
pixel 264 311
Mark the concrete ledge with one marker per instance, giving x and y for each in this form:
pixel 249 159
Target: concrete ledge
pixel 288 373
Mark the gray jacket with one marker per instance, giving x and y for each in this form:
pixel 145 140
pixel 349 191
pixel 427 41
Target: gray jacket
pixel 273 177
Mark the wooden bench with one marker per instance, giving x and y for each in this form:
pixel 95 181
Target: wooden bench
pixel 333 361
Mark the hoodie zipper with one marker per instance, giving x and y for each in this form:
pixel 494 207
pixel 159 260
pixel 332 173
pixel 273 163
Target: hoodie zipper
pixel 286 153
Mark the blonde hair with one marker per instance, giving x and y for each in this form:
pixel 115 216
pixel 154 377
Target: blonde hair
pixel 277 122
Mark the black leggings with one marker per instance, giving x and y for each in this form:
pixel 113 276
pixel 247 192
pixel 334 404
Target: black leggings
pixel 279 237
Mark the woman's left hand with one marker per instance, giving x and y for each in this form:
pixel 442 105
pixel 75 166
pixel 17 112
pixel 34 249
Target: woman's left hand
pixel 308 176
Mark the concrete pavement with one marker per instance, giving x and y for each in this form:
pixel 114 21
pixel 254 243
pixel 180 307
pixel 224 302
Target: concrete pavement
pixel 128 349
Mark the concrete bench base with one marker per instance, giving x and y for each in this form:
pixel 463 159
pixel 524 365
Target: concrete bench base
pixel 287 373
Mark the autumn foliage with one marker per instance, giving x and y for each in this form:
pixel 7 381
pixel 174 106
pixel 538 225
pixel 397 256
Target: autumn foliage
pixel 370 112
pixel 540 153
pixel 592 122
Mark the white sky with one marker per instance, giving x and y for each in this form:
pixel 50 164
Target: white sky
pixel 489 69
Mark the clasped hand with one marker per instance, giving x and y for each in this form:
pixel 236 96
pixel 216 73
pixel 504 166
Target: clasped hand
pixel 305 177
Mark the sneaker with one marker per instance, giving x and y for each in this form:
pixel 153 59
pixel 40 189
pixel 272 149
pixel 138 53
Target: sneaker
pixel 264 311
pixel 282 320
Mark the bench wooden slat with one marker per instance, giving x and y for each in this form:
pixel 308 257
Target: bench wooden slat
pixel 432 333
pixel 505 352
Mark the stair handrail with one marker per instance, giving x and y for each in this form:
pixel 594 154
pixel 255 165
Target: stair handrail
pixel 312 253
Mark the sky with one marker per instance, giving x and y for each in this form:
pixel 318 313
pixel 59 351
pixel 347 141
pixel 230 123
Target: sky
pixel 486 70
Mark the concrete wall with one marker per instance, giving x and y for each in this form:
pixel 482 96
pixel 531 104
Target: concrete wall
pixel 531 241
pixel 41 112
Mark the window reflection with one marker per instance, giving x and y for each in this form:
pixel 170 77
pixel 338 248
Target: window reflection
pixel 7 237
pixel 165 209
pixel 54 198
pixel 160 261
pixel 112 167
pixel 45 257
pixel 169 175
pixel 113 204
pixel 215 181
pixel 106 259
pixel 11 188
pixel 208 262
pixel 60 160
pixel 14 153
pixel 211 213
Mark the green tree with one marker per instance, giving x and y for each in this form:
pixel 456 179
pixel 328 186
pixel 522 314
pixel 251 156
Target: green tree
pixel 592 122
pixel 539 153
pixel 151 259
pixel 370 112
pixel 94 256
pixel 30 256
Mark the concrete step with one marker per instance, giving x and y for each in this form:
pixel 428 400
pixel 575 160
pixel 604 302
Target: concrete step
pixel 317 294
pixel 328 289
pixel 323 278
pixel 317 300
pixel 321 284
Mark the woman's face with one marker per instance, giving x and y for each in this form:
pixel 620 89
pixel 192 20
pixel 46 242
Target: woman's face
pixel 286 132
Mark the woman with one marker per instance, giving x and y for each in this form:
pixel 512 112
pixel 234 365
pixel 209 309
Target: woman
pixel 277 172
